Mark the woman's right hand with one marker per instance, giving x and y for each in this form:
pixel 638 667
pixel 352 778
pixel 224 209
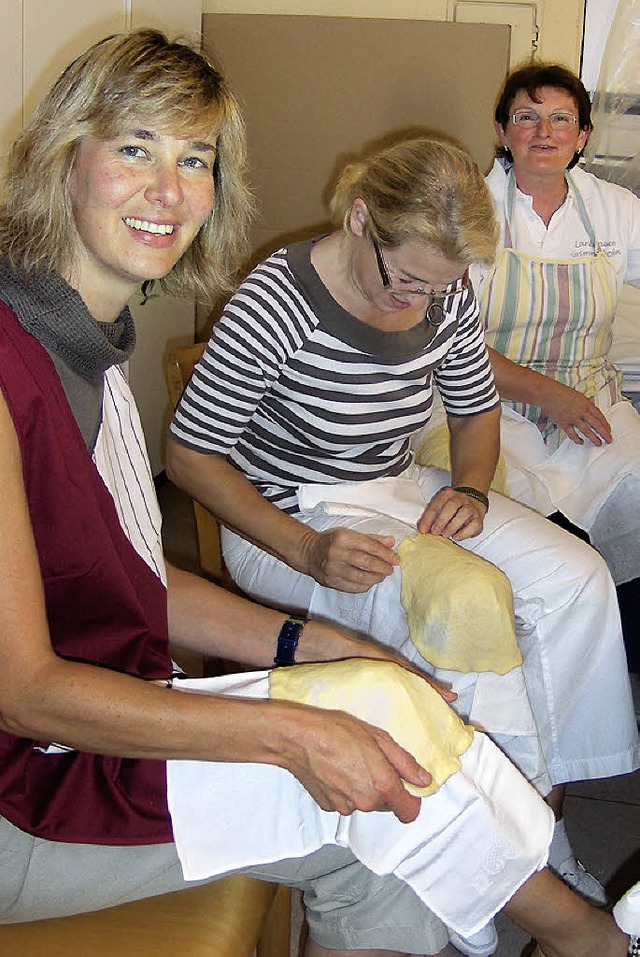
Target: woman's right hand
pixel 347 560
pixel 577 416
pixel 348 765
pixel 575 413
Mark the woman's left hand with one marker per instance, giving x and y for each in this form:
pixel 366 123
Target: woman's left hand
pixel 452 514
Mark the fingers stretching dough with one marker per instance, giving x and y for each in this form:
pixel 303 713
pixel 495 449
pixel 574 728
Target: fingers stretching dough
pixel 388 696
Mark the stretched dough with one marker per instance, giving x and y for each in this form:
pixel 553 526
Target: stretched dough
pixel 388 696
pixel 459 606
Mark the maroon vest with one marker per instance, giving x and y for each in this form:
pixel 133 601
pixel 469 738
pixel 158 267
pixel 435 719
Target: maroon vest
pixel 104 606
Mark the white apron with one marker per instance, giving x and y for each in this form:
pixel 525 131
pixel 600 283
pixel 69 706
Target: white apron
pixel 556 317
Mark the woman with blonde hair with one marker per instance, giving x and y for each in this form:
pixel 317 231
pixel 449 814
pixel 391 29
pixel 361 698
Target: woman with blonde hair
pixel 37 227
pixel 296 431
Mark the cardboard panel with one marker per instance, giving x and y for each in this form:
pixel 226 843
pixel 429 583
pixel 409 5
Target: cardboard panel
pixel 317 89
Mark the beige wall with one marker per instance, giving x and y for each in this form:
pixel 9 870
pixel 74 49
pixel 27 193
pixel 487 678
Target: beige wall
pixel 560 22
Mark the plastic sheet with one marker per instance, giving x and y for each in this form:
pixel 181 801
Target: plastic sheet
pixel 613 149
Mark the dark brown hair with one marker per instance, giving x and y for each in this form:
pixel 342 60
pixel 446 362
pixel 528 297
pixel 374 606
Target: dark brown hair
pixel 531 78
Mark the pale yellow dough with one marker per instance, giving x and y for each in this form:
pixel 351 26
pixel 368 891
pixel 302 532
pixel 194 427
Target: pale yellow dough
pixel 459 606
pixel 434 451
pixel 388 696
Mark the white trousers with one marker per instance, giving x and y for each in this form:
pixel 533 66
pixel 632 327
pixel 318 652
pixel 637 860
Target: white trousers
pixel 596 487
pixel 568 714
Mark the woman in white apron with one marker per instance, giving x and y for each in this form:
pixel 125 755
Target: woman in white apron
pixel 569 242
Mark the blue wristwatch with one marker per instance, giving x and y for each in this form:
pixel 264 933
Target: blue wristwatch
pixel 288 641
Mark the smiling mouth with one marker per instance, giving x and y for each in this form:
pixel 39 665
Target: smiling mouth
pixel 159 229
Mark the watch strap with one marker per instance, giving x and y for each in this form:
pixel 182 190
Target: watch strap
pixel 288 641
pixel 474 493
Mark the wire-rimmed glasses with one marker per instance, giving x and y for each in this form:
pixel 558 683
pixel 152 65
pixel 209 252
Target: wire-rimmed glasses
pixel 435 311
pixel 558 120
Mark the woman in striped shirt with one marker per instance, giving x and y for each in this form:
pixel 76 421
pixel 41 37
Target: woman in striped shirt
pixel 315 380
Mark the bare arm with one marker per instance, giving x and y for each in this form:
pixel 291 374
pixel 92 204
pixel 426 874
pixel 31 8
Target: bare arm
pixel 338 558
pixel 213 621
pixel 343 762
pixel 475 445
pixel 576 415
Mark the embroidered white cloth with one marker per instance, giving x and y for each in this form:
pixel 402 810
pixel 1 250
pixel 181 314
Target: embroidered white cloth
pixel 473 844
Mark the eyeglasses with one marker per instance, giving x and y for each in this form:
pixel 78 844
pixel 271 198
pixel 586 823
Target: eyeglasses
pixel 437 297
pixel 528 119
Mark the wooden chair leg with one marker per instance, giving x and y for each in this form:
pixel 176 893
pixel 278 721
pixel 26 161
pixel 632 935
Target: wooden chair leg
pixel 275 939
pixel 304 936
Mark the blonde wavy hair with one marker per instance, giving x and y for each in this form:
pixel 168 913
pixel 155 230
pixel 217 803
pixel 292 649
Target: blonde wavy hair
pixel 424 190
pixel 135 76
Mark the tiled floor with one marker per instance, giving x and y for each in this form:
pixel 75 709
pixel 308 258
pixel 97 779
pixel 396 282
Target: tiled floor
pixel 603 817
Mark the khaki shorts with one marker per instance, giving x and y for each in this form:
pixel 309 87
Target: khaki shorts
pixel 347 906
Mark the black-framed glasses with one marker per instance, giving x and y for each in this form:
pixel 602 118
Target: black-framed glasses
pixel 435 311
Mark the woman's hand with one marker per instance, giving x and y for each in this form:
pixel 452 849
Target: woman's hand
pixel 346 560
pixel 452 514
pixel 348 765
pixel 576 414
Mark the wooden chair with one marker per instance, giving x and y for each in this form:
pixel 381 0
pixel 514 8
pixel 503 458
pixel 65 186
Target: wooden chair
pixel 178 370
pixel 233 917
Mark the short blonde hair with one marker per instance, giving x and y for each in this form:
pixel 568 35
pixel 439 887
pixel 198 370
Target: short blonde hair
pixel 139 75
pixel 424 190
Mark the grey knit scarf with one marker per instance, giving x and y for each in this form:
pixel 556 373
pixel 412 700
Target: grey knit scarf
pixel 81 348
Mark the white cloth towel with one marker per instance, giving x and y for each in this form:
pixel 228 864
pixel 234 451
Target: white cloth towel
pixel 473 844
pixel 398 498
pixel 627 911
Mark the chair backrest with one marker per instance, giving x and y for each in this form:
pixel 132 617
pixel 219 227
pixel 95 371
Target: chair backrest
pixel 178 370
pixel 179 367
pixel 275 924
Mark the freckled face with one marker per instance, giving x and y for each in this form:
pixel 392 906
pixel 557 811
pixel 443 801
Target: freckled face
pixel 138 201
pixel 542 150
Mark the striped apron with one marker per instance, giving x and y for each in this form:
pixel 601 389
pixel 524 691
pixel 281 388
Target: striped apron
pixel 554 317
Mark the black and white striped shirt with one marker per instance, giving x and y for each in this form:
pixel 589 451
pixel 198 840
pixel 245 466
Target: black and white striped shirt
pixel 293 389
